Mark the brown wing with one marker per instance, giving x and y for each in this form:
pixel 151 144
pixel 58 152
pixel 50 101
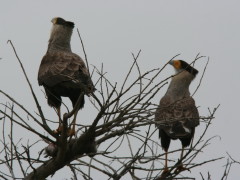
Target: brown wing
pixel 64 67
pixel 177 119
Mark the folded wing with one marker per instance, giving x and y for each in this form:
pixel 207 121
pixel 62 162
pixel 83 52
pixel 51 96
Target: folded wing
pixel 177 119
pixel 64 68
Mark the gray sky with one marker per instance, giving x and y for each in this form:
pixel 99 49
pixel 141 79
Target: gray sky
pixel 111 30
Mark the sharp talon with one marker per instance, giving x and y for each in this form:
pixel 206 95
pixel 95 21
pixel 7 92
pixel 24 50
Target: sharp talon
pixel 180 168
pixel 55 131
pixel 164 173
pixel 71 132
pixel 58 130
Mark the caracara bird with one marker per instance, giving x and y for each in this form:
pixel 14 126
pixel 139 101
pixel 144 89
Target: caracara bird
pixel 63 73
pixel 177 115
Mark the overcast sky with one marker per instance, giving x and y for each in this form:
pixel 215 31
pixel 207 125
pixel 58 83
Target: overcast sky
pixel 111 30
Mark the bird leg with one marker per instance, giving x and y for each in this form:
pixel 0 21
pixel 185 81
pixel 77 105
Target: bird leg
pixel 59 129
pixel 180 167
pixel 76 106
pixel 166 170
pixel 72 132
pixel 181 156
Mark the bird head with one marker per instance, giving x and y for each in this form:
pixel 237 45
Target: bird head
pixel 180 65
pixel 61 33
pixel 61 21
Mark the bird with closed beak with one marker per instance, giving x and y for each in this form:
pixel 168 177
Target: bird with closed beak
pixel 177 115
pixel 63 73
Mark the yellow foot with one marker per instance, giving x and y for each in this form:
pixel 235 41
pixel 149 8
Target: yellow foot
pixel 164 173
pixel 58 130
pixel 71 132
pixel 180 168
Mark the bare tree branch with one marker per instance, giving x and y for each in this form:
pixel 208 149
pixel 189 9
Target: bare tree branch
pixel 119 143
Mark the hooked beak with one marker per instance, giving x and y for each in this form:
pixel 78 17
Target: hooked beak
pixel 171 62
